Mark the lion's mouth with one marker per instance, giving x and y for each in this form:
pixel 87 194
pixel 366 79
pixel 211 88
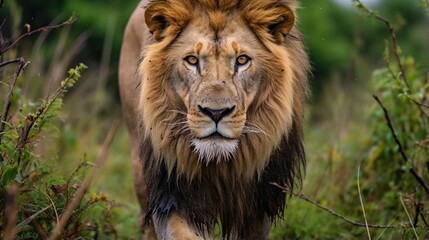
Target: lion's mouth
pixel 215 136
pixel 214 147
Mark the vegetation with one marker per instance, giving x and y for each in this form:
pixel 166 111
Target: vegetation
pixel 37 202
pixel 377 177
pixel 367 129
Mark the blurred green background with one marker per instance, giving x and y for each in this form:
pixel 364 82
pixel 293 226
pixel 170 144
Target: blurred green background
pixel 345 48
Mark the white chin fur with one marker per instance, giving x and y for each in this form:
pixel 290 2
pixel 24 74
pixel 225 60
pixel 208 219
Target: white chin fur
pixel 219 149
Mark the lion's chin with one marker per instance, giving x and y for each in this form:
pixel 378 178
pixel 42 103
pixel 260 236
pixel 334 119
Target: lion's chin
pixel 214 149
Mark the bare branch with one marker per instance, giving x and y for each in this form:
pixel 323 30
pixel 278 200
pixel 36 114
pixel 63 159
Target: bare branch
pixel 418 209
pixel 395 48
pixel 74 203
pixel 68 22
pixel 2 64
pixel 416 175
pixel 421 104
pixel 358 224
pixel 22 64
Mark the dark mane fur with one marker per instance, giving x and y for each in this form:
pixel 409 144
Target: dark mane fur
pixel 235 204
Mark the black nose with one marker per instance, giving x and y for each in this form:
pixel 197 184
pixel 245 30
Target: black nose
pixel 216 114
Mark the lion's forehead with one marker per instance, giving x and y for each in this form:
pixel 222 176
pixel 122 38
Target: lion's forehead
pixel 223 44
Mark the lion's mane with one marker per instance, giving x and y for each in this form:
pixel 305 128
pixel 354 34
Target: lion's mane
pixel 237 192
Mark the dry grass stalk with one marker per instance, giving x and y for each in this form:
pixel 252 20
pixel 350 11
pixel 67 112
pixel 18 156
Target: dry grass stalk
pixel 74 203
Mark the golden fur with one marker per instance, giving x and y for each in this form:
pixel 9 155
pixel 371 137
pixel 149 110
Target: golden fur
pixel 282 94
pixel 165 107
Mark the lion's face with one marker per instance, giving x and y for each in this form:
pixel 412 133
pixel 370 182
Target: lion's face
pixel 216 80
pixel 218 84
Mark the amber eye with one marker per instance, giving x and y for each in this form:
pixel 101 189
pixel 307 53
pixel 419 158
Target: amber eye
pixel 242 60
pixel 192 60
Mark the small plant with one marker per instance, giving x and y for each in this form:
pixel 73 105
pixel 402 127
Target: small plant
pixel 36 203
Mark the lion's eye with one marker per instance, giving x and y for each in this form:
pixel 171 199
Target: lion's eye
pixel 242 60
pixel 192 60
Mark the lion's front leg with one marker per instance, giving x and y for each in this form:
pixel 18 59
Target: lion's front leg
pixel 175 227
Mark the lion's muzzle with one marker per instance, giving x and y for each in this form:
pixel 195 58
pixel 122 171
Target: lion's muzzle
pixel 216 122
pixel 216 114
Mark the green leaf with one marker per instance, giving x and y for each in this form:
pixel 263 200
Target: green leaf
pixel 9 174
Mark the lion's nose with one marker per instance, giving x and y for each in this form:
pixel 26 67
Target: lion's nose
pixel 216 114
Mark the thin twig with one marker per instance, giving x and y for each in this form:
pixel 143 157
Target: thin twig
pixel 395 48
pixel 22 64
pixel 68 22
pixel 74 203
pixel 389 123
pixel 418 206
pixel 358 224
pixel 361 204
pixel 22 224
pixel 421 104
pixel 416 175
pixel 17 60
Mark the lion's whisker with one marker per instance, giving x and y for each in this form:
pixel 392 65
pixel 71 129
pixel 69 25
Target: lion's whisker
pixel 178 111
pixel 180 127
pixel 253 128
pixel 178 123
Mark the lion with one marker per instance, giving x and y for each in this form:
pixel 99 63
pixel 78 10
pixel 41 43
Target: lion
pixel 213 96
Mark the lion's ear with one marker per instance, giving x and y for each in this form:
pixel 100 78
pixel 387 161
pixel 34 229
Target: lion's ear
pixel 166 18
pixel 273 22
pixel 281 26
pixel 156 19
